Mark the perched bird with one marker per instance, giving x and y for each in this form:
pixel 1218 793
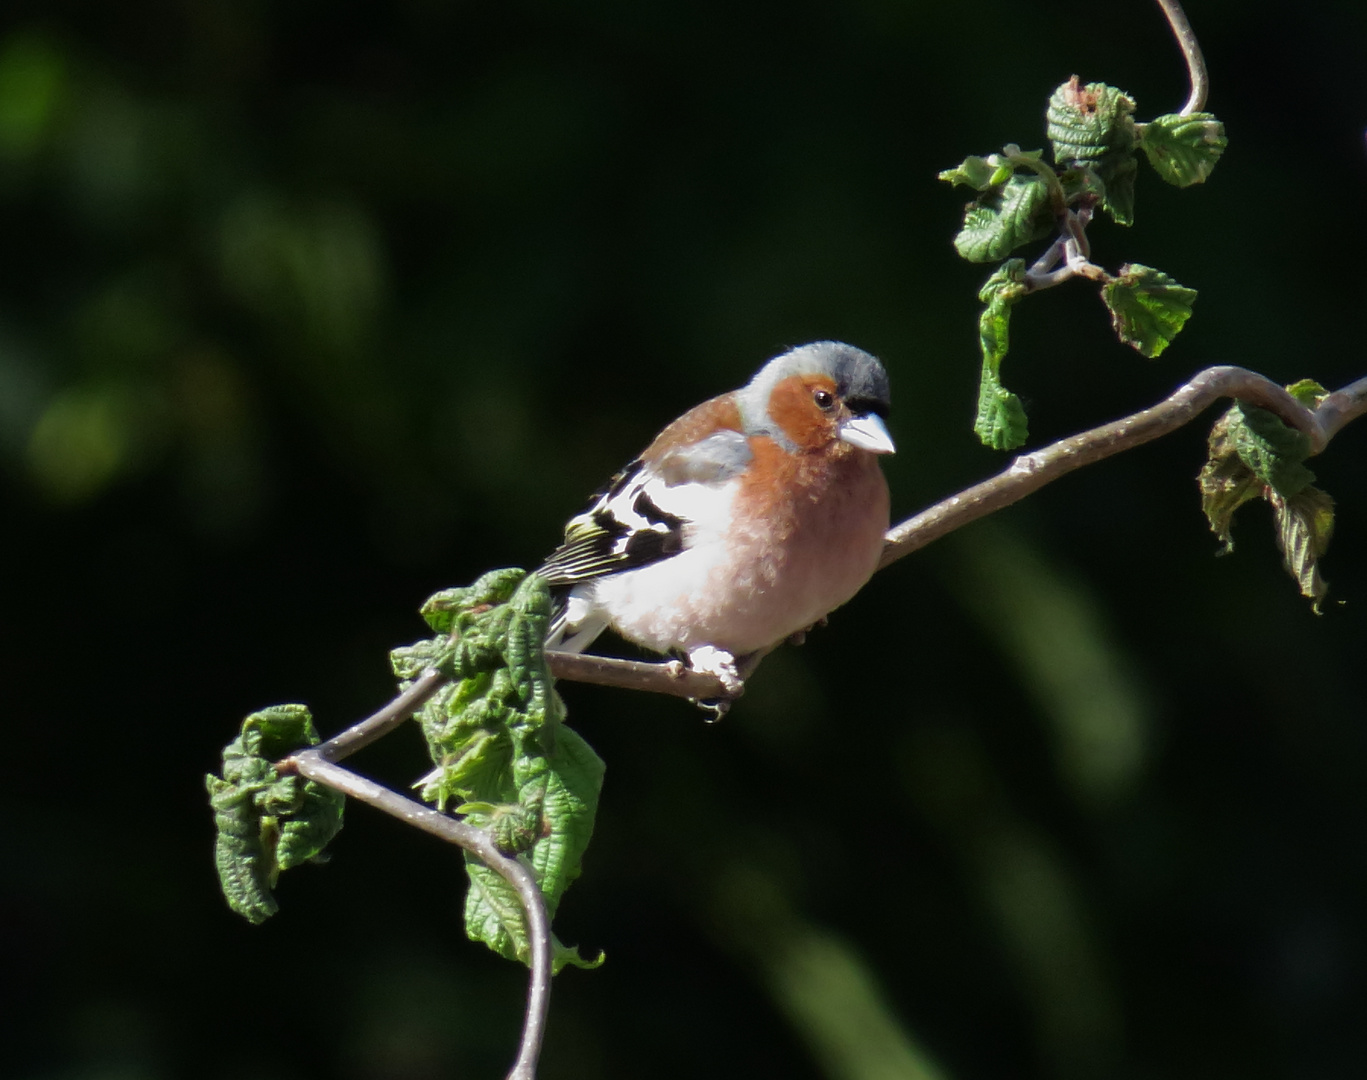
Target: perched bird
pixel 745 521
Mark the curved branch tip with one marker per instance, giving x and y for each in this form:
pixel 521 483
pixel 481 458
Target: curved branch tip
pixel 1191 53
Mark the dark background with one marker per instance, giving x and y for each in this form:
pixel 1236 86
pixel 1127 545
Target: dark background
pixel 308 310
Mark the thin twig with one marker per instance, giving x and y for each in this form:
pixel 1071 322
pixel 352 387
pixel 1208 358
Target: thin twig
pixel 1340 408
pixel 313 764
pixel 1032 471
pixel 1191 53
pixel 1068 257
pixel 632 675
pixel 382 721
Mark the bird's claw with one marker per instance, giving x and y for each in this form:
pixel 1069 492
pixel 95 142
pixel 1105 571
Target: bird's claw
pixel 721 665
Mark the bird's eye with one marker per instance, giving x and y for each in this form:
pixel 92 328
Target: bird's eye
pixel 824 399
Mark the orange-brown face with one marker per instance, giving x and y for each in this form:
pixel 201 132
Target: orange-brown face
pixel 808 410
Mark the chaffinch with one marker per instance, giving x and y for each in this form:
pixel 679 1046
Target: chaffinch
pixel 745 521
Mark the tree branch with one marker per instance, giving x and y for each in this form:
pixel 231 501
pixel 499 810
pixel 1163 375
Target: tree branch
pixel 381 722
pixel 1191 53
pixel 673 679
pixel 314 764
pixel 1030 472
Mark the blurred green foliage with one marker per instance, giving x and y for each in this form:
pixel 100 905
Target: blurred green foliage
pixel 307 311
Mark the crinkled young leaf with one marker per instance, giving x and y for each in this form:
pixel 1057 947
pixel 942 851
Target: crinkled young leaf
pixel 1148 308
pixel 307 830
pixel 1253 454
pixel 977 173
pixel 501 751
pixel 568 799
pixel 515 827
pixel 1226 483
pixel 267 822
pixel 1092 125
pixel 1308 392
pixel 1274 451
pixel 1081 182
pixel 1087 123
pixel 276 731
pixel 1000 422
pixel 480 764
pixel 1183 149
pixel 1305 525
pixel 569 805
pixel 409 661
pixel 495 587
pixel 1118 196
pixel 244 853
pixel 1005 218
pixel 493 915
pixel 525 650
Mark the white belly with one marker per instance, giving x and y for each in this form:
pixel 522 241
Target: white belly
pixel 735 588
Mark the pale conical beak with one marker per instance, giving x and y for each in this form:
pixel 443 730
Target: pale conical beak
pixel 868 433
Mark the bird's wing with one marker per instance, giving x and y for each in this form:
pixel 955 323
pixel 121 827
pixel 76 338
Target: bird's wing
pixel 642 516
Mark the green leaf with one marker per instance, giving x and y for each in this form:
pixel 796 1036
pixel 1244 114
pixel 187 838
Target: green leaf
pixel 1305 525
pixel 1308 392
pixel 1118 197
pixel 1005 218
pixel 267 822
pixel 977 173
pixel 525 650
pixel 1088 123
pixel 495 587
pixel 480 762
pixel 1081 182
pixel 569 806
pixel 1148 308
pixel 1183 149
pixel 1092 126
pixel 501 750
pixel 1253 454
pixel 514 827
pixel 1271 449
pixel 309 829
pixel 568 802
pixel 1000 422
pixel 493 915
pixel 1225 481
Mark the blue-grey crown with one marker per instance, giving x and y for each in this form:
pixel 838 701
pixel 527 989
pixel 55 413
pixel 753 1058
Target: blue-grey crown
pixel 858 376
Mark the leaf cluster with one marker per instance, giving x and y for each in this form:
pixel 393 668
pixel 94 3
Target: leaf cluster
pixel 501 750
pixel 268 821
pixel 1022 198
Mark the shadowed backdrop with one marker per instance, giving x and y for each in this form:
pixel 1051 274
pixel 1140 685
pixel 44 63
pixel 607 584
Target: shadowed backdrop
pixel 309 310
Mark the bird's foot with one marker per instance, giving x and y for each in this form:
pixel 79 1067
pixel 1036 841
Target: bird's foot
pixel 710 660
